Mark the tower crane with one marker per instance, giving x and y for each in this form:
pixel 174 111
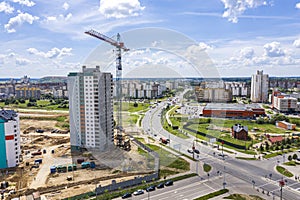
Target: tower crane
pixel 119 47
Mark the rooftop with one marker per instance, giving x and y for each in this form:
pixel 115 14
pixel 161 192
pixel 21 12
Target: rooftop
pixel 230 106
pixel 7 115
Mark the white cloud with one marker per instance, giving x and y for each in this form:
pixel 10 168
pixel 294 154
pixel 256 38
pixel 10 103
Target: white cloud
pixel 68 16
pixel 297 5
pixel 247 52
pixel 297 43
pixel 19 20
pixel 25 2
pixel 120 8
pixel 22 61
pixel 53 53
pixel 197 48
pixel 51 18
pixel 5 7
pixel 273 49
pixel 66 6
pixel 233 9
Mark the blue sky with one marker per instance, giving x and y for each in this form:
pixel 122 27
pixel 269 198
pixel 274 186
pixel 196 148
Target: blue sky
pixel 40 38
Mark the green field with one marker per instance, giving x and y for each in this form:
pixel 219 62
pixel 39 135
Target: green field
pixel 40 104
pixel 169 160
pixel 129 107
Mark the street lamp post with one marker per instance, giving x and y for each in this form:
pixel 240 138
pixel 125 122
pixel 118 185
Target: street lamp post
pixel 281 184
pixel 222 149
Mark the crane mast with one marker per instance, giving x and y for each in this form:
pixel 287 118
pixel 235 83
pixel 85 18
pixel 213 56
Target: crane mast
pixel 119 47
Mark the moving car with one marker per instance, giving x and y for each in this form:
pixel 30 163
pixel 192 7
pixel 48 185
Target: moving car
pixel 138 192
pixel 126 195
pixel 168 183
pixel 196 151
pixel 190 150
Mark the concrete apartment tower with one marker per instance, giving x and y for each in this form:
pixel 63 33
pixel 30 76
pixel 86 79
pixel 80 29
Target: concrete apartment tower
pixel 10 150
pixel 259 87
pixel 91 109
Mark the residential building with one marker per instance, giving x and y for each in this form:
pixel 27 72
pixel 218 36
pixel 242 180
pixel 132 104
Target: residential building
pixel 213 92
pixel 259 87
pixel 9 139
pixel 239 89
pixel 275 139
pixel 28 92
pixel 239 132
pixel 284 102
pixel 91 109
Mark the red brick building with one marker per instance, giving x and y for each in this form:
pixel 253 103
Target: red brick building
pixel 239 132
pixel 232 111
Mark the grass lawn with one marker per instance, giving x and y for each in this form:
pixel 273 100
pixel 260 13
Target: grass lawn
pixel 126 106
pixel 291 163
pixel 206 167
pixel 213 194
pixel 246 158
pixel 169 160
pixel 243 197
pixel 284 171
pixel 218 134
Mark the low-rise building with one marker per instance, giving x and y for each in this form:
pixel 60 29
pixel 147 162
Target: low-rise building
pixel 285 125
pixel 238 111
pixel 9 139
pixel 276 139
pixel 239 132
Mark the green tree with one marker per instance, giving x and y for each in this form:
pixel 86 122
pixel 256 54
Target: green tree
pixel 267 146
pixel 261 148
pixel 295 156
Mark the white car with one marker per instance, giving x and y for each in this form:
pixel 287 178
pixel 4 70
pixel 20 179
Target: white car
pixel 190 150
pixel 138 192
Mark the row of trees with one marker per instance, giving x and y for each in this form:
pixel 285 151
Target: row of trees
pixel 285 144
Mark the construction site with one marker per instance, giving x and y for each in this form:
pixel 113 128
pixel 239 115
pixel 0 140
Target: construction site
pixel 50 167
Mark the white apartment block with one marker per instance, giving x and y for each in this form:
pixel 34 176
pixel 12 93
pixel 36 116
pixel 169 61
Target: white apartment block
pixel 259 87
pixel 91 109
pixel 9 139
pixel 285 103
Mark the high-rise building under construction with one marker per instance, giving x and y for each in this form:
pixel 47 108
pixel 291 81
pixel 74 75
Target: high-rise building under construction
pixel 91 109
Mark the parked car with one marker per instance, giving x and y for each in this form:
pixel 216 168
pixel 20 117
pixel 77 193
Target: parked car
pixel 138 192
pixel 196 151
pixel 39 130
pixel 126 195
pixel 150 188
pixel 190 150
pixel 161 185
pixel 168 183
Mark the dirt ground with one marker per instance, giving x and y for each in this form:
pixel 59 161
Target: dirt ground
pixel 28 176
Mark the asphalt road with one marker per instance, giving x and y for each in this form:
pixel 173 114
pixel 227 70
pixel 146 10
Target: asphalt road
pixel 249 171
